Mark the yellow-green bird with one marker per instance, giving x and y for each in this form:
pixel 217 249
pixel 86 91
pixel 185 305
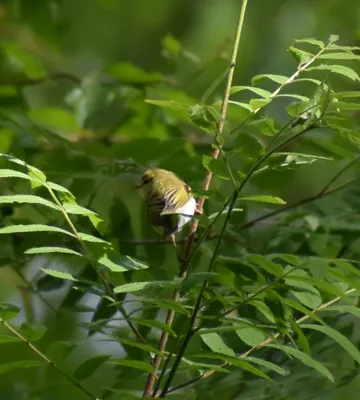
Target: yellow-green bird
pixel 168 200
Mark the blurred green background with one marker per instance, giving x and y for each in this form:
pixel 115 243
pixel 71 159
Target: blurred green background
pixel 73 79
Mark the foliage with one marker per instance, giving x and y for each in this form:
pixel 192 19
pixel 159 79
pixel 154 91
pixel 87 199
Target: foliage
pixel 270 297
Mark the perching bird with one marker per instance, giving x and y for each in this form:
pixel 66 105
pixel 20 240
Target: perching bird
pixel 168 200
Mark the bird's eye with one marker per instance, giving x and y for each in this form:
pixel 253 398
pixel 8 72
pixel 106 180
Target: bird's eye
pixel 146 179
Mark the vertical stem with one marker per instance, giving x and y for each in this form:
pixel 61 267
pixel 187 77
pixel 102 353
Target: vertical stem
pixel 215 153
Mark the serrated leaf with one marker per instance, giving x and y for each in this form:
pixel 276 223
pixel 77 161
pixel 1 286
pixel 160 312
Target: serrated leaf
pixel 131 364
pixel 315 42
pixel 27 199
pixel 263 199
pixel 89 366
pixel 301 56
pixel 337 69
pixel 339 56
pixel 338 337
pixel 59 188
pixel 59 274
pixel 261 92
pixel 52 249
pixel 33 228
pixel 76 209
pixel 91 238
pixel 136 286
pixel 305 359
pixel 8 311
pixel 10 173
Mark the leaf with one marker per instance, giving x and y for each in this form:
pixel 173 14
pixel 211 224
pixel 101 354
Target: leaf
pixel 89 366
pixel 339 56
pixel 275 78
pixel 240 104
pixel 301 56
pixel 252 336
pixel 217 167
pixel 15 365
pixel 32 332
pixel 269 365
pixel 305 359
pixel 255 104
pixel 33 228
pixel 175 105
pixel 345 309
pixel 337 69
pixel 141 346
pixel 131 364
pixel 59 274
pixel 201 366
pixel 236 361
pixel 9 339
pixel 8 311
pixel 132 75
pixel 263 199
pixel 76 209
pixel 136 286
pixel 10 173
pixel 90 238
pixel 52 249
pixel 155 324
pixel 59 188
pixel 125 263
pixel 28 199
pixel 216 344
pixel 261 92
pixel 315 42
pixel 339 338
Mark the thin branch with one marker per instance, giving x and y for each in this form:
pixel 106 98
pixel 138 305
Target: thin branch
pixel 183 267
pixel 259 346
pixel 45 358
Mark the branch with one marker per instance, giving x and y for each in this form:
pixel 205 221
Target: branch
pixel 183 267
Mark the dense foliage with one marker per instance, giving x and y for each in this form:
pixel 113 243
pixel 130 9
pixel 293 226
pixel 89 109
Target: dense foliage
pixel 266 301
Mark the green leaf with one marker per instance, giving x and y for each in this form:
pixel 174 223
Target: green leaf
pixel 240 104
pixel 315 42
pixel 261 92
pixel 345 309
pixel 275 78
pixel 8 311
pixel 28 199
pixel 269 365
pixel 90 238
pixel 15 365
pixel 236 361
pixel 125 263
pixel 339 56
pixel 131 75
pixel 59 274
pixel 259 103
pixel 217 167
pixel 263 199
pixel 32 332
pixel 305 359
pixel 141 346
pixel 9 339
pixel 300 55
pixel 10 173
pixel 339 338
pixel 175 105
pixel 59 188
pixel 89 366
pixel 337 69
pixel 201 366
pixel 252 336
pixel 171 47
pixel 216 344
pixel 33 228
pixel 131 364
pixel 155 324
pixel 52 249
pixel 76 209
pixel 136 286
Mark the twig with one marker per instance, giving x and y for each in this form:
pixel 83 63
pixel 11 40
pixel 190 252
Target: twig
pixel 183 267
pixel 45 358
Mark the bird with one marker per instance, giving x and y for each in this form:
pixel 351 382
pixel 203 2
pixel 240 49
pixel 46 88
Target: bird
pixel 169 201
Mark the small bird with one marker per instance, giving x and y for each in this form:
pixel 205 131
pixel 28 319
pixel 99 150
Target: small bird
pixel 168 200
